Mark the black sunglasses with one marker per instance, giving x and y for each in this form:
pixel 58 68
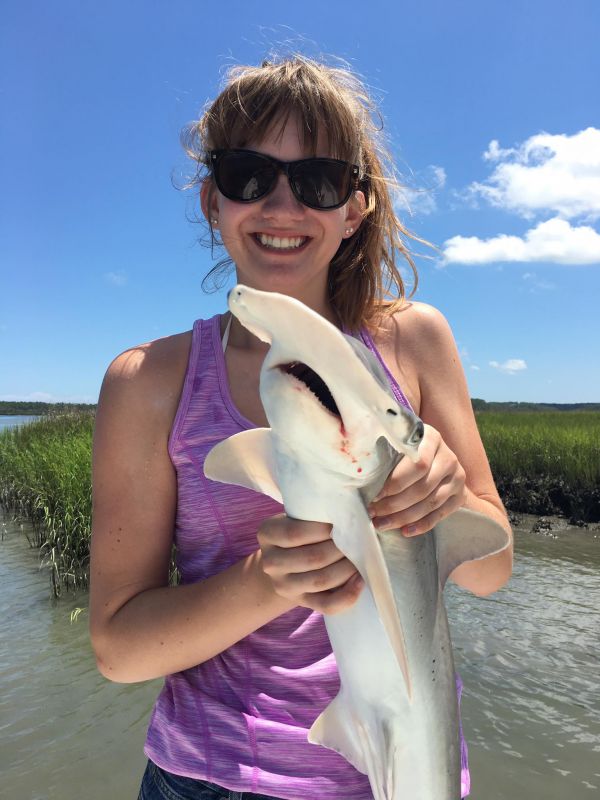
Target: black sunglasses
pixel 246 176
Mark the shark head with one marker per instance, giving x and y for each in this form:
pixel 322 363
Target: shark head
pixel 331 402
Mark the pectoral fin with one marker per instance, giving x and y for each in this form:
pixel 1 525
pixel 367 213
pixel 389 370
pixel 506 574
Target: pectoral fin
pixel 336 729
pixel 466 536
pixel 245 459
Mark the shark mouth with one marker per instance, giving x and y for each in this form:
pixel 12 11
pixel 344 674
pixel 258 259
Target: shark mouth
pixel 313 382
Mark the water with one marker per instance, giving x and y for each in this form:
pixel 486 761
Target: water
pixel 11 420
pixel 528 657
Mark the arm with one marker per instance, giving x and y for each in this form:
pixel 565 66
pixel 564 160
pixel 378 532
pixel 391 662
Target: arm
pixel 140 627
pixel 453 470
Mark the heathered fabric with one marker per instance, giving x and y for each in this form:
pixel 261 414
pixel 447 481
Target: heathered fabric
pixel 241 719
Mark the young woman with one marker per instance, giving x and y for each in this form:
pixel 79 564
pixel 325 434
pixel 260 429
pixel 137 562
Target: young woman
pixel 292 180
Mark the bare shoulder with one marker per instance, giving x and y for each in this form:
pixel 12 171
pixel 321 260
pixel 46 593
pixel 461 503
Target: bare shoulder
pixel 416 342
pixel 150 375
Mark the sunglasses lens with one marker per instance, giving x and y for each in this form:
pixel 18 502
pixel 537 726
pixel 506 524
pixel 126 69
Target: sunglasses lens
pixel 320 183
pixel 244 177
pixel 317 182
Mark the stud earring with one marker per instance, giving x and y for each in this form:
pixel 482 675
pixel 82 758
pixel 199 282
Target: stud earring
pixel 349 231
pixel 215 222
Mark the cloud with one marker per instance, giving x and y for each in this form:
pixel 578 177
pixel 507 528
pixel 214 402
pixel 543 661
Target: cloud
pixel 421 199
pixel 511 366
pixel 554 240
pixel 116 278
pixel 552 173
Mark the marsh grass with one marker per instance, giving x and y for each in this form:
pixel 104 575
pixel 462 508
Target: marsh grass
pixel 543 462
pixel 45 477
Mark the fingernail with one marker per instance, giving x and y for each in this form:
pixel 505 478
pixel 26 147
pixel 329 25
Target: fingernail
pixel 408 530
pixel 383 524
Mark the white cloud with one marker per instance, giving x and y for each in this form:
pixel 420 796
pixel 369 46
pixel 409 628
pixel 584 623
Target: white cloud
pixel 421 200
pixel 116 278
pixel 511 366
pixel 558 174
pixel 554 240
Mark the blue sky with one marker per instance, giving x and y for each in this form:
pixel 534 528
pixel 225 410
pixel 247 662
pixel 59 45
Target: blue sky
pixel 491 110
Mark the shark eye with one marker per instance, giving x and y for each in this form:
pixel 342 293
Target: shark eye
pixel 392 412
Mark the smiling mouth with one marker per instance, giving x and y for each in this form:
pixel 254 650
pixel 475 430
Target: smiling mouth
pixel 281 244
pixel 313 382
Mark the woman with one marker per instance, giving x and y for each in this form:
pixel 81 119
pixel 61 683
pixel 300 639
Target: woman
pixel 292 180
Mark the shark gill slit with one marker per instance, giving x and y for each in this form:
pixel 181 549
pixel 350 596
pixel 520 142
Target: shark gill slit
pixel 314 382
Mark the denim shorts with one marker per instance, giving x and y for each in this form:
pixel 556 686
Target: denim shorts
pixel 158 784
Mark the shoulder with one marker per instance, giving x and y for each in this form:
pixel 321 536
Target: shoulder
pixel 417 343
pixel 146 380
pixel 420 326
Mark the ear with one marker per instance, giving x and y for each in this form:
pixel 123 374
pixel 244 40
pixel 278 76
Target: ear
pixel 209 201
pixel 355 210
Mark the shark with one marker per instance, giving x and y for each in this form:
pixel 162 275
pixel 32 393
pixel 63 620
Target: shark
pixel 336 432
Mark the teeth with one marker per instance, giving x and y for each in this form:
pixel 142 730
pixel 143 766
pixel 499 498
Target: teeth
pixel 282 243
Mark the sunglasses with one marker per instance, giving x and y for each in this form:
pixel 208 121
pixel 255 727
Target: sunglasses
pixel 246 176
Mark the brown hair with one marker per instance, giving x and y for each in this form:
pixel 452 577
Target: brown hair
pixel 364 279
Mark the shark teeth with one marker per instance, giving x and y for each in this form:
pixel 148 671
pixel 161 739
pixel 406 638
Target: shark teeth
pixel 281 242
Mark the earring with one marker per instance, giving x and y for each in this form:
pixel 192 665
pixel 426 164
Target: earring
pixel 215 222
pixel 349 231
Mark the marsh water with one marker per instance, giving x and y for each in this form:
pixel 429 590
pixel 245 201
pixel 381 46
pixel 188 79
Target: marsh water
pixel 528 657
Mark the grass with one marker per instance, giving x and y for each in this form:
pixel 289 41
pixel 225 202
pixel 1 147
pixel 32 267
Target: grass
pixel 543 462
pixel 45 477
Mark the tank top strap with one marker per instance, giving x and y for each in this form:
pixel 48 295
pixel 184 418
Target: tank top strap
pixel 199 355
pixel 367 339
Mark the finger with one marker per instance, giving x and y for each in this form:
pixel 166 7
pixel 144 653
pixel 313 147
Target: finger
pixel 337 600
pixel 418 518
pixel 285 531
pixel 299 583
pixel 407 472
pixel 412 494
pixel 278 560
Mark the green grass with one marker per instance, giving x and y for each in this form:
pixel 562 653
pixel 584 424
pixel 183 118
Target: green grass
pixel 558 444
pixel 45 477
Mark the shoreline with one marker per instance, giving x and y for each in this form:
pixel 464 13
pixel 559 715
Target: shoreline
pixel 547 496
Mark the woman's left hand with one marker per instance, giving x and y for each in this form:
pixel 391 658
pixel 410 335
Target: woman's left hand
pixel 416 496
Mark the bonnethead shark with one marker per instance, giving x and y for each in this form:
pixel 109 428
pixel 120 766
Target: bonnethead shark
pixel 336 434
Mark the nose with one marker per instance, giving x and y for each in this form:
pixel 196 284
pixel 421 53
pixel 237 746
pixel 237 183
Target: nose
pixel 281 200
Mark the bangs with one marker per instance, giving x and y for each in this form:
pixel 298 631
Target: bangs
pixel 259 102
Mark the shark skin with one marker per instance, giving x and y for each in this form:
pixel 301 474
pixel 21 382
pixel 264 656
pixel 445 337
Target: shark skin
pixel 327 454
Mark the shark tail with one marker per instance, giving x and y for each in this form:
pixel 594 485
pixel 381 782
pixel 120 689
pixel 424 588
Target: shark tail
pixel 372 750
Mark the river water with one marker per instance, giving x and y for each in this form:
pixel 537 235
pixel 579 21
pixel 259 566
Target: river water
pixel 528 657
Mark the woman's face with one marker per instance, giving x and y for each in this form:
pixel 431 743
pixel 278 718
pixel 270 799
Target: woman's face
pixel 300 269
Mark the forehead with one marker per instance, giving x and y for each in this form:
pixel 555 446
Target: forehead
pixel 285 132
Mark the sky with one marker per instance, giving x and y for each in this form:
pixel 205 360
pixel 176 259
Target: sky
pixel 491 111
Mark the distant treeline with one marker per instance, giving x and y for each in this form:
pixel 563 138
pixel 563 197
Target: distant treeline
pixel 25 408
pixel 483 405
pixel 39 409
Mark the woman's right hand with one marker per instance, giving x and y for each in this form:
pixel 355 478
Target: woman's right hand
pixel 306 567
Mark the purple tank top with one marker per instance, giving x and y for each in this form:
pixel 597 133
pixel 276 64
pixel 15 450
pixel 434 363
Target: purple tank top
pixel 241 718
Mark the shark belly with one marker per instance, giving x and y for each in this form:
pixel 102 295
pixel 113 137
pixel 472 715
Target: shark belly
pixel 408 744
